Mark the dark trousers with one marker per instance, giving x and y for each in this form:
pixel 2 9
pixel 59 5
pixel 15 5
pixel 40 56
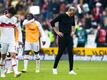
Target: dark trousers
pixel 65 42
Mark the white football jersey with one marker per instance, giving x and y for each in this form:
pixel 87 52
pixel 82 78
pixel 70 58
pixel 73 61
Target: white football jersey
pixel 7 31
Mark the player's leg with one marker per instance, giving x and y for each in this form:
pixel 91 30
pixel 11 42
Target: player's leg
pixel 0 50
pixel 70 56
pixel 62 46
pixel 0 62
pixel 37 58
pixel 26 56
pixel 36 49
pixel 8 63
pixel 26 59
pixel 4 48
pixel 12 52
pixel 19 52
pixel 0 57
pixel 17 48
pixel 2 65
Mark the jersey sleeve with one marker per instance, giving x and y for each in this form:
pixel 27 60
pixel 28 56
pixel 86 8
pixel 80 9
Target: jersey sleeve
pixel 42 32
pixel 25 22
pixel 73 21
pixel 15 20
pixel 20 33
pixel 57 19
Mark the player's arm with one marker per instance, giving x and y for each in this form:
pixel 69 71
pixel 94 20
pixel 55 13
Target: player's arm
pixel 73 30
pixel 73 27
pixel 42 32
pixel 41 29
pixel 57 19
pixel 27 22
pixel 20 33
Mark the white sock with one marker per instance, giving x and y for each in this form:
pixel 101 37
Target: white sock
pixel 17 61
pixel 37 62
pixel 8 64
pixel 2 62
pixel 26 59
pixel 14 65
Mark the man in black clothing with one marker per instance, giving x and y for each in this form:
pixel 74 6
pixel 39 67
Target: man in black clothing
pixel 65 36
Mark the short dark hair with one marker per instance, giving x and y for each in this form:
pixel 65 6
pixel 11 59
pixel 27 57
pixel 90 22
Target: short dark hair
pixel 30 15
pixel 11 10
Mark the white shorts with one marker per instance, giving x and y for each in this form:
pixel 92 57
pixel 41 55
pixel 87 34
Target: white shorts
pixel 32 46
pixel 7 47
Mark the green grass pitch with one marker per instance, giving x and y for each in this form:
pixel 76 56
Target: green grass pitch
pixel 86 70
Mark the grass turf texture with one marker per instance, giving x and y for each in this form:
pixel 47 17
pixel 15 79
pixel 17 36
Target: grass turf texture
pixel 86 70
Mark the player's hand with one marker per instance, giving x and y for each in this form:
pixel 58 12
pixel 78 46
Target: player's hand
pixel 72 34
pixel 60 34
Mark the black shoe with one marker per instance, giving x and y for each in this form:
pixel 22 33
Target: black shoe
pixel 23 71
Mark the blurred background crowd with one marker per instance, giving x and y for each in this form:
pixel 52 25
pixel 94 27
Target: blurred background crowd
pixel 90 18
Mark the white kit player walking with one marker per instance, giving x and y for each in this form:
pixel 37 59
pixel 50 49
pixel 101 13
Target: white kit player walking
pixel 7 26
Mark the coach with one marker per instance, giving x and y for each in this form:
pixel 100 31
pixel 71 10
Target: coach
pixel 65 36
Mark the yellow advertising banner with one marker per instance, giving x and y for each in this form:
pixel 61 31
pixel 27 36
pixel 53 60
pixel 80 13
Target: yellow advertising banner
pixel 78 51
